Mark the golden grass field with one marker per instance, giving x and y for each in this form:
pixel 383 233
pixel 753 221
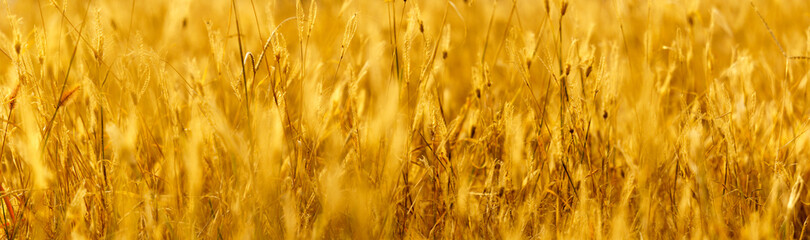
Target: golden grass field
pixel 373 119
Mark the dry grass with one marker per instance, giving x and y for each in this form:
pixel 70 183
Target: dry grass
pixel 459 119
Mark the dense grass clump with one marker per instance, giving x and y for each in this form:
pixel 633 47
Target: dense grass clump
pixel 453 119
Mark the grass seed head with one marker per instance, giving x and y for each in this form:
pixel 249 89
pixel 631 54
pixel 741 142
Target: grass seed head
pixel 313 12
pixel 567 69
pixel 11 99
pixel 69 94
pixel 588 70
pixel 351 28
pixel 99 48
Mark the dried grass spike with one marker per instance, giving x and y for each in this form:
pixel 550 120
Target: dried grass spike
pixel 11 99
pixel 351 28
pixel 68 95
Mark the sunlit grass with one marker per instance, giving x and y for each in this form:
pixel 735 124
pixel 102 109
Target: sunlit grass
pixel 459 119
